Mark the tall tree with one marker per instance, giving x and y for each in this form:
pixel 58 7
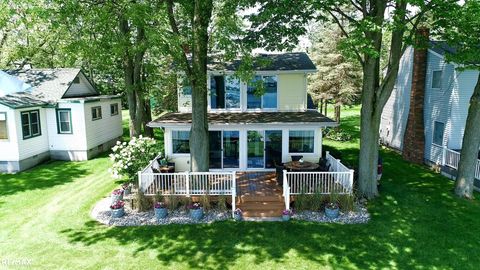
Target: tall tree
pixel 368 23
pixel 460 27
pixel 338 78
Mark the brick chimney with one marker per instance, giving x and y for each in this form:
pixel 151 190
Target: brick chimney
pixel 414 138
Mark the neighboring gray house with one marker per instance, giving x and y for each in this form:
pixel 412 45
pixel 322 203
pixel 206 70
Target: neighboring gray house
pixel 53 113
pixel 426 114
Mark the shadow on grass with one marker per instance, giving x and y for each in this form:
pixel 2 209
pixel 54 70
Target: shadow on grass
pixel 41 177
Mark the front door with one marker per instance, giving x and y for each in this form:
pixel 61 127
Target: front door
pixel 224 149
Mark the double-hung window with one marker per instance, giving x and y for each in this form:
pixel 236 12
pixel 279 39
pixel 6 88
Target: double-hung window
pixel 96 113
pixel 64 121
pixel 437 79
pixel 224 92
pixel 181 141
pixel 268 99
pixel 301 141
pixel 3 126
pixel 113 109
pixel 438 130
pixel 31 124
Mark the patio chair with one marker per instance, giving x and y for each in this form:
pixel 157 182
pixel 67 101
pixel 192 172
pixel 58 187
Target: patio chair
pixel 296 158
pixel 279 174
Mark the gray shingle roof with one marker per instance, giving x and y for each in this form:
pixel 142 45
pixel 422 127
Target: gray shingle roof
pixel 21 100
pixel 441 47
pixel 48 84
pixel 312 117
pixel 269 62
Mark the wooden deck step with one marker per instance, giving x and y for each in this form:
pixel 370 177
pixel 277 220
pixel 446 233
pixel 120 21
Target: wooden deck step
pixel 262 213
pixel 262 206
pixel 267 198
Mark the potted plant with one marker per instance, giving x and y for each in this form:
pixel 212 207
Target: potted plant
pixel 286 214
pixel 332 210
pixel 237 214
pixel 196 211
pixel 160 210
pixel 118 209
pixel 127 189
pixel 117 195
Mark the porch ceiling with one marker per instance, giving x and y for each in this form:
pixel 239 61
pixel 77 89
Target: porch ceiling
pixel 307 117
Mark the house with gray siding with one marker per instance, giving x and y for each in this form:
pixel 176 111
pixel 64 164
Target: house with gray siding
pixel 53 114
pixel 426 114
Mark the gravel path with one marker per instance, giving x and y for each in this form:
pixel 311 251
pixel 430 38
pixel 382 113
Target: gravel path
pixel 360 215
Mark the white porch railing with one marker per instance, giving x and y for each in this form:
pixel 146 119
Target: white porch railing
pixel 451 159
pixel 339 179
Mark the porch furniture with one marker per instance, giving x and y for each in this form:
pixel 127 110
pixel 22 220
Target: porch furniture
pixel 323 165
pixel 301 166
pixel 279 174
pixel 167 169
pixel 296 158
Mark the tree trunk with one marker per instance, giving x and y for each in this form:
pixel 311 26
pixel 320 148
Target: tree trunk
pixel 325 107
pixel 470 145
pixel 199 143
pixel 148 131
pixel 337 113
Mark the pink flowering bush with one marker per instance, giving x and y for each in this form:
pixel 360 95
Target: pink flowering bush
pixel 129 158
pixel 117 205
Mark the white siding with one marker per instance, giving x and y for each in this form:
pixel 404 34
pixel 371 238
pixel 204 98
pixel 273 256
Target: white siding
pixel 36 145
pixel 105 129
pixel 437 103
pixel 73 142
pixel 9 148
pixel 461 93
pixel 83 88
pixel 395 113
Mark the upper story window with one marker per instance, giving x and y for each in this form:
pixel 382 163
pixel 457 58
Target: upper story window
pixel 224 92
pixel 96 113
pixel 64 121
pixel 31 124
pixel 3 126
pixel 180 141
pixel 438 130
pixel 437 79
pixel 269 98
pixel 113 109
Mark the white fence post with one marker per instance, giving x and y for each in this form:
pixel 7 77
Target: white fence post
pixel 286 190
pixel 444 155
pixel 350 181
pixel 140 180
pixel 187 184
pixel 234 192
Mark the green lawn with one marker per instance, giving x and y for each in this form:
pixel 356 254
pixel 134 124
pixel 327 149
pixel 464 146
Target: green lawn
pixel 416 223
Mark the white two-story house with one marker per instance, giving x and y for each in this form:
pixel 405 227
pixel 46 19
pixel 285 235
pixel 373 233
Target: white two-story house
pixel 247 131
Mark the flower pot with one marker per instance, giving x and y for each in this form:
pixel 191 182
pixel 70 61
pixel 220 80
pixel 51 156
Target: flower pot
pixel 116 198
pixel 332 212
pixel 196 214
pixel 237 217
pixel 117 213
pixel 127 191
pixel 286 217
pixel 161 213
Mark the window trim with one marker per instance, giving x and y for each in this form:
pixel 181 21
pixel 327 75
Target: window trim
pixel 6 127
pixel 431 81
pixel 433 133
pixel 302 153
pixel 101 114
pixel 29 113
pixel 116 105
pixel 57 111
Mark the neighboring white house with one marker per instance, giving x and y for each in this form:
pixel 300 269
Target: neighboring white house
pixel 247 131
pixel 53 114
pixel 446 92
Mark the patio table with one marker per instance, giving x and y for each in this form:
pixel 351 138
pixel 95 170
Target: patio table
pixel 301 166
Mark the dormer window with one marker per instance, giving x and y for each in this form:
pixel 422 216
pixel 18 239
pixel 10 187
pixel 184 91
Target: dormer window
pixel 224 92
pixel 269 98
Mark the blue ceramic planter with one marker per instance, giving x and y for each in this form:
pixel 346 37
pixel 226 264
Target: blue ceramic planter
pixel 116 198
pixel 237 217
pixel 161 213
pixel 332 213
pixel 196 214
pixel 117 213
pixel 286 217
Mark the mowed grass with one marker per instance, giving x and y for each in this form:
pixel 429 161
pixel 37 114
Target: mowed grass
pixel 416 224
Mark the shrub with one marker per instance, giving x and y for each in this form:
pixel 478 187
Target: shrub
pixel 129 158
pixel 222 203
pixel 337 134
pixel 159 197
pixel 301 202
pixel 205 202
pixel 346 202
pixel 142 202
pixel 318 201
pixel 172 202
